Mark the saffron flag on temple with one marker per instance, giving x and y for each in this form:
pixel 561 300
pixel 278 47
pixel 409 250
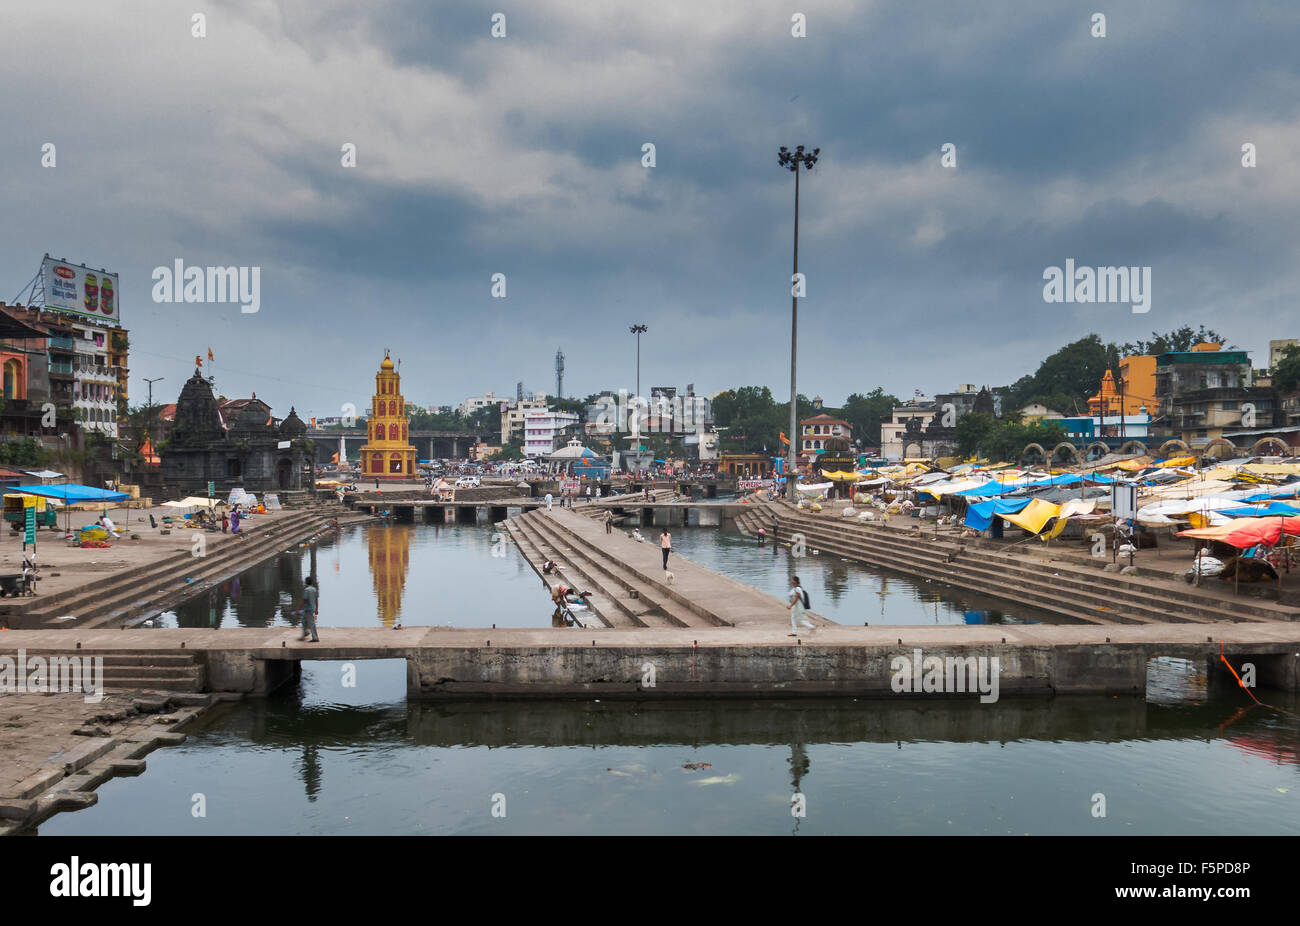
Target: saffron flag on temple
pixel 198 361
pixel 209 355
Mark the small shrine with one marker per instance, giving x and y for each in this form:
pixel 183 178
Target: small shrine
pixel 388 453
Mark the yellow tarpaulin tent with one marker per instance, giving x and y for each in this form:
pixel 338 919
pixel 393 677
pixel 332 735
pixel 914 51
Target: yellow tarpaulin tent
pixel 842 476
pixel 1034 515
pixel 1272 469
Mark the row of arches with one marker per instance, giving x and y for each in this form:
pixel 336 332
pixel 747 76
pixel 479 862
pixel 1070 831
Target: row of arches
pixel 393 407
pixel 1066 452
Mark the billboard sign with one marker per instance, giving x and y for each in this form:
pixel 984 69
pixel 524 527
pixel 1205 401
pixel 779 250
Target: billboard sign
pixel 81 290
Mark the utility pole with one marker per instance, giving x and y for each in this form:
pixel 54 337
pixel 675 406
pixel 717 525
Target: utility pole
pixel 791 162
pixel 149 416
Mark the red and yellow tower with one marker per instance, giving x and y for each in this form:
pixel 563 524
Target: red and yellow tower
pixel 388 453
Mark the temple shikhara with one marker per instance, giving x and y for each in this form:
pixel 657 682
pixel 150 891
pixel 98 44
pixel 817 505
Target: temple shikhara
pixel 388 454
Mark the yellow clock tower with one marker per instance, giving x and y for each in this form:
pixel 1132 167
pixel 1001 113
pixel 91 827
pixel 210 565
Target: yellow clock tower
pixel 388 453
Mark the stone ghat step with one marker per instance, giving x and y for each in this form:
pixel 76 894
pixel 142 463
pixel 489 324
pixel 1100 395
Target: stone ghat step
pixel 104 601
pixel 649 609
pixel 993 579
pixel 193 683
pixel 537 550
pixel 1161 593
pixel 575 572
pixel 215 570
pixel 1088 597
pixel 1165 588
pixel 123 659
pixel 660 589
pixel 157 672
pixel 77 598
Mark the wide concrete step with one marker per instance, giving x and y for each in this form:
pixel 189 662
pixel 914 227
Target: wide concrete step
pixel 660 592
pixel 646 610
pixel 1086 596
pixel 166 584
pixel 990 576
pixel 98 597
pixel 153 683
pixel 1084 582
pixel 604 609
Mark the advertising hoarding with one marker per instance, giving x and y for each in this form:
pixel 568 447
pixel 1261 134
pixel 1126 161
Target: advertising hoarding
pixel 81 290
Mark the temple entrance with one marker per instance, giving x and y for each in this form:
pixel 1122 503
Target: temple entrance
pixel 395 464
pixel 282 474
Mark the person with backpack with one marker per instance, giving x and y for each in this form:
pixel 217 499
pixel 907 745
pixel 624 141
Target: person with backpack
pixel 798 607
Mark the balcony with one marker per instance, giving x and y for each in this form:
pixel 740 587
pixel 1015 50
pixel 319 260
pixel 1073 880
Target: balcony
pixel 59 343
pixel 60 368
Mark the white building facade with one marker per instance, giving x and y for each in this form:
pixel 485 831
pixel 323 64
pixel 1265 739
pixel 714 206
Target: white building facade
pixel 541 428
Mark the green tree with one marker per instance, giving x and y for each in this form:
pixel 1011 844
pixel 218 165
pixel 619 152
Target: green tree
pixel 867 412
pixel 23 452
pixel 1180 339
pixel 1004 440
pixel 1067 378
pixel 1286 375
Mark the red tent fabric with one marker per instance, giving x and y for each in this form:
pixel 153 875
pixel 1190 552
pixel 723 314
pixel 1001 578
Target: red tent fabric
pixel 1250 531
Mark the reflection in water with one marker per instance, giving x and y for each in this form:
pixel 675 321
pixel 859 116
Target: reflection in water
pixel 382 574
pixel 303 763
pixel 390 558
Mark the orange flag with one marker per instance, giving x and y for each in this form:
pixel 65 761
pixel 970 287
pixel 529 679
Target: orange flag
pixel 209 355
pixel 198 361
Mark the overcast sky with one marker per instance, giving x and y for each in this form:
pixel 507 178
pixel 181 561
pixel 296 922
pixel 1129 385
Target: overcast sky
pixel 522 155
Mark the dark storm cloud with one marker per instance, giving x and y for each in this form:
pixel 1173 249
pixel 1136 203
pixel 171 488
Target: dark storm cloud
pixel 522 155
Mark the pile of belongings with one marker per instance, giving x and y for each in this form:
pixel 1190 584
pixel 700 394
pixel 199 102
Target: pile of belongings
pixel 93 537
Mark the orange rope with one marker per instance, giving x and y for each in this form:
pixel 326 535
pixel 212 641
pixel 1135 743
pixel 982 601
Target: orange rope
pixel 1246 688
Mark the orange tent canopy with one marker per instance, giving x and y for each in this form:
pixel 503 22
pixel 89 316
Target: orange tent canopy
pixel 1246 532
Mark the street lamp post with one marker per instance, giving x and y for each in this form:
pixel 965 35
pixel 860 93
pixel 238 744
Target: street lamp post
pixel 791 161
pixel 638 330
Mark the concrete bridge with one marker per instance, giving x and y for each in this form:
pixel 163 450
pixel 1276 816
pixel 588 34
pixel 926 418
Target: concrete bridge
pixel 642 664
pixel 429 445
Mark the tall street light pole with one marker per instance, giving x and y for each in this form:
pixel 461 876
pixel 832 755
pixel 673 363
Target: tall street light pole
pixel 149 424
pixel 791 161
pixel 638 330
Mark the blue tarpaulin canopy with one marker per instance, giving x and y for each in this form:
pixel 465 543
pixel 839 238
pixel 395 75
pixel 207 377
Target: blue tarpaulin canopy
pixel 992 487
pixel 980 516
pixel 1276 509
pixel 73 494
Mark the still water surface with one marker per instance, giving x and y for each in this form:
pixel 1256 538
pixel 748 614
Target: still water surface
pixel 422 574
pixel 324 758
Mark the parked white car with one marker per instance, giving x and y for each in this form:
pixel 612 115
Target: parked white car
pixel 467 482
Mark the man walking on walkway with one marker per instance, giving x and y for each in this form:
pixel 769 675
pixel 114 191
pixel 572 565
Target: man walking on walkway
pixel 310 608
pixel 609 521
pixel 666 545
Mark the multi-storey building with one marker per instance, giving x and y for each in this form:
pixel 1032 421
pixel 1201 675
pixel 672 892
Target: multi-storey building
pixel 1206 391
pixel 545 431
